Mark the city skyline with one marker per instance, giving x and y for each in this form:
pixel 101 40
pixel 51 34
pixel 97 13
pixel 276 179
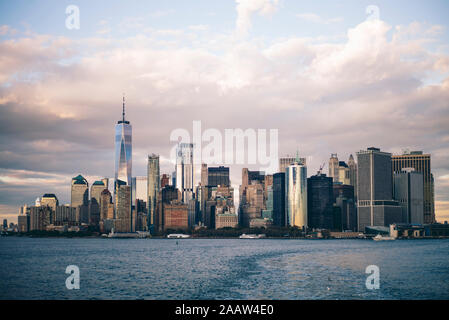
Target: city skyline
pixel 296 81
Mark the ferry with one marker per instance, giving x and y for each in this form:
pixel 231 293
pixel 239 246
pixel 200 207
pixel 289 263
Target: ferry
pixel 178 236
pixel 252 236
pixel 382 238
pixel 133 235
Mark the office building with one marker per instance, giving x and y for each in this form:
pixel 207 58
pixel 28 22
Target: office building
pixel 165 180
pixel 218 176
pixel 94 205
pixel 409 192
pixel 340 172
pixel 375 203
pixel 153 187
pixel 65 216
pixel 421 163
pixel 50 199
pixel 40 218
pixel 123 215
pixel 204 175
pixel 123 150
pixel 344 200
pixel 252 193
pixel 166 195
pixel 185 170
pixel 296 195
pixel 320 199
pixel 287 161
pixel 279 199
pixel 176 216
pixel 79 192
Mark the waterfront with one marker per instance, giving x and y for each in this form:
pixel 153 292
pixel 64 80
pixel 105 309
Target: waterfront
pixel 34 268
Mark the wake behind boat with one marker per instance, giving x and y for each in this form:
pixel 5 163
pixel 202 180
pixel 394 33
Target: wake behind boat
pixel 382 238
pixel 252 236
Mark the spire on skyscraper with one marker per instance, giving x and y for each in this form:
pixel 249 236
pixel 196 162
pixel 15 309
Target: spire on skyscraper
pixel 123 107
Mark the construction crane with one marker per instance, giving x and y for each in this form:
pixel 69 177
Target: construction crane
pixel 321 168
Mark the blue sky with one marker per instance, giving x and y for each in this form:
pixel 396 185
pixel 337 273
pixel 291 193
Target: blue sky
pixel 48 16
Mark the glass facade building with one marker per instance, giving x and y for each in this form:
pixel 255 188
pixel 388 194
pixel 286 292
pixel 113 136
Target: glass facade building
pixel 123 150
pixel 296 195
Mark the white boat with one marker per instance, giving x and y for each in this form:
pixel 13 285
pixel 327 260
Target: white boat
pixel 178 236
pixel 382 238
pixel 252 236
pixel 138 234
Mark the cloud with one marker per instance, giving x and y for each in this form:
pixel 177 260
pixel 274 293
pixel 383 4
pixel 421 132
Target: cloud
pixel 314 18
pixel 324 97
pixel 246 8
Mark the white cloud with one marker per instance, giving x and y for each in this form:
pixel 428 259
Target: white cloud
pixel 246 8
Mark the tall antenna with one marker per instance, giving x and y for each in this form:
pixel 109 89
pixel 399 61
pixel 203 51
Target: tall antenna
pixel 297 155
pixel 123 108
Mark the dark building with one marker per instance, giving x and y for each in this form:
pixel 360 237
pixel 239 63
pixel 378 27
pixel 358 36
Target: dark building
pixel 279 199
pixel 165 180
pixel 218 176
pixel 320 199
pixel 165 196
pixel 344 199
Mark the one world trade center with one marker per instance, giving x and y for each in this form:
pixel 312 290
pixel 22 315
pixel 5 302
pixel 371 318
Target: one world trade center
pixel 123 150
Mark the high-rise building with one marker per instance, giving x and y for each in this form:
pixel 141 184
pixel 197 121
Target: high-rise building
pixel 340 172
pixel 165 180
pixel 123 149
pixel 153 188
pixel 375 204
pixel 344 200
pixel 94 205
pixel 320 199
pixel 79 192
pixel 287 161
pixel 123 221
pixel 252 195
pixel 65 216
pixel 204 175
pixel 218 176
pixel 353 174
pixel 40 217
pixel 165 196
pixel 421 163
pixel 139 190
pixel 185 170
pixel 409 191
pixel 279 199
pixel 176 216
pixel 296 194
pixel 50 199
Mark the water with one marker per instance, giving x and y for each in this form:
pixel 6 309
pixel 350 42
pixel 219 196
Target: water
pixel 222 268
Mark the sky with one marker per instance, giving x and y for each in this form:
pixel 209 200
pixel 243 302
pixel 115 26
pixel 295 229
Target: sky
pixel 330 76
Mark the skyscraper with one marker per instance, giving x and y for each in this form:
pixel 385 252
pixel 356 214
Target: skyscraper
pixel 353 174
pixel 296 194
pixel 286 161
pixel 153 188
pixel 184 171
pixel 79 191
pixel 123 149
pixel 94 204
pixel 421 163
pixel 375 203
pixel 320 198
pixel 409 191
pixel 279 199
pixel 50 199
pixel 124 220
pixel 218 176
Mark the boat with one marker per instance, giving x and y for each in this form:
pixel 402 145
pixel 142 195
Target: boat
pixel 382 238
pixel 252 236
pixel 178 236
pixel 133 235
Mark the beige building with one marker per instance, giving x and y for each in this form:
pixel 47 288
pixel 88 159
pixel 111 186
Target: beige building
pixel 226 220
